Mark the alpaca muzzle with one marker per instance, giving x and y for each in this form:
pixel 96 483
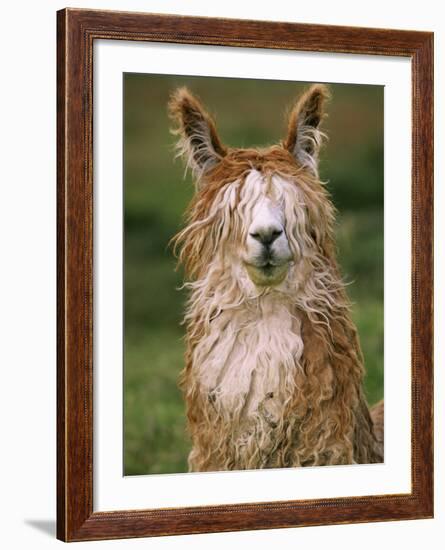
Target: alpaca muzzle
pixel 268 273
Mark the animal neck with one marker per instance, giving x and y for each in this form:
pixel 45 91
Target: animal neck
pixel 246 341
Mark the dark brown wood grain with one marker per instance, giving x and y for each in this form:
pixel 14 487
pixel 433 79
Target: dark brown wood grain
pixel 76 32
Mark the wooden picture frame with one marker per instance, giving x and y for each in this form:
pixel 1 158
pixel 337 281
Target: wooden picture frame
pixel 76 32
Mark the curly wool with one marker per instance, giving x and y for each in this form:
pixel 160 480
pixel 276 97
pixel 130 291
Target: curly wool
pixel 273 377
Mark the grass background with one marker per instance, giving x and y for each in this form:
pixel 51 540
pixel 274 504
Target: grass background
pixel 249 113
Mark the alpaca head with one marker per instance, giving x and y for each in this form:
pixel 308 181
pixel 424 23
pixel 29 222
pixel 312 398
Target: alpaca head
pixel 260 213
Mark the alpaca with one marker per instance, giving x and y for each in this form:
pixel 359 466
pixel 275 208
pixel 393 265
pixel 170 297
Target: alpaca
pixel 274 370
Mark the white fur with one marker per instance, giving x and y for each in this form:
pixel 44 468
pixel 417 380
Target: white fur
pixel 267 216
pixel 247 364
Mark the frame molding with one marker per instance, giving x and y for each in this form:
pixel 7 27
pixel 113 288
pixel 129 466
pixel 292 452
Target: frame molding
pixel 76 31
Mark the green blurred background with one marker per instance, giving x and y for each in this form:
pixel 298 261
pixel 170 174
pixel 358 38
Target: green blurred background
pixel 248 113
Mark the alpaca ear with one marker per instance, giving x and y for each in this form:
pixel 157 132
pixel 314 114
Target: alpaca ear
pixel 198 141
pixel 304 137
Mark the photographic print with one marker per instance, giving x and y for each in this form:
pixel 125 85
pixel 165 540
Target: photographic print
pixel 253 274
pixel 234 272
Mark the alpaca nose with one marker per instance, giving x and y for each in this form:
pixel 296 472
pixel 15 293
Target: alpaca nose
pixel 267 235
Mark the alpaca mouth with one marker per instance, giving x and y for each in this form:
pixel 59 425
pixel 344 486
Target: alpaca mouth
pixel 268 273
pixel 268 267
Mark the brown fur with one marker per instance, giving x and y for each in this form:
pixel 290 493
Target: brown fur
pixel 377 416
